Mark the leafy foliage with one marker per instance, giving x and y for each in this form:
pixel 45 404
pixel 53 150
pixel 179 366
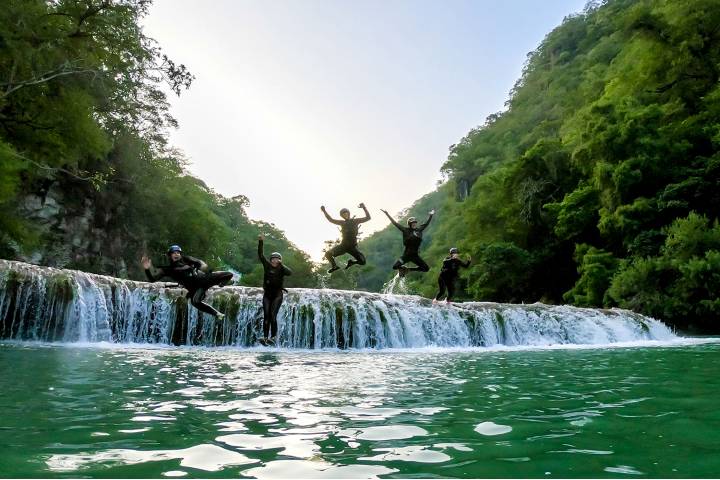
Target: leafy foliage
pixel 595 184
pixel 83 112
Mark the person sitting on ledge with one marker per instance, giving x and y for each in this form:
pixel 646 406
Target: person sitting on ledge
pixel 191 273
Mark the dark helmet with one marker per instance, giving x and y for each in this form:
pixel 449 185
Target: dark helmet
pixel 411 220
pixel 344 210
pixel 454 250
pixel 276 255
pixel 174 248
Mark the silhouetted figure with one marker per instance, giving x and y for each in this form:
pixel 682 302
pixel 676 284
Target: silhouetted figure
pixel 348 242
pixel 412 238
pixel 273 279
pixel 189 272
pixel 449 273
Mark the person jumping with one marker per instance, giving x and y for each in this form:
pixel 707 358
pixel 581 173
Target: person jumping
pixel 412 238
pixel 275 273
pixel 449 273
pixel 191 274
pixel 349 241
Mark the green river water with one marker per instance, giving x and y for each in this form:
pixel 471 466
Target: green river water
pixel 114 411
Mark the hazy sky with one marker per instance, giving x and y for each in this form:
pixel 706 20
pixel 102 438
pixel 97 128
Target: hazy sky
pixel 302 103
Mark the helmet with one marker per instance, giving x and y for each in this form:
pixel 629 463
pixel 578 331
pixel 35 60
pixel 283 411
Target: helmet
pixel 411 220
pixel 454 250
pixel 174 248
pixel 276 255
pixel 344 210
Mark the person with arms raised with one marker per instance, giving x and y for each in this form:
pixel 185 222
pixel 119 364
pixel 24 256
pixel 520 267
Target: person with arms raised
pixel 273 278
pixel 412 238
pixel 189 272
pixel 348 242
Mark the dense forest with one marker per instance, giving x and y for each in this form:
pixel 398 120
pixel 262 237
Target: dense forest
pixel 87 178
pixel 599 184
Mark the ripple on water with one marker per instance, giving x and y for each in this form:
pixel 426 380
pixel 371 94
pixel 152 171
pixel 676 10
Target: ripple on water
pixel 206 457
pixel 316 469
pixel 415 453
pixel 492 428
pixel 624 469
pixel 384 432
pixel 300 446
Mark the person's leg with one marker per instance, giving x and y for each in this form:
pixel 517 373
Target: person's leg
pixel 267 315
pixel 276 303
pixel 451 289
pixel 359 258
pixel 421 266
pixel 220 279
pixel 197 301
pixel 336 251
pixel 441 288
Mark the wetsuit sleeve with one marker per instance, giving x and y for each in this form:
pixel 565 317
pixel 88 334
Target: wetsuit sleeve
pixel 286 271
pixel 392 220
pixel 195 262
pixel 424 225
pixel 332 220
pixel 366 217
pixel 261 254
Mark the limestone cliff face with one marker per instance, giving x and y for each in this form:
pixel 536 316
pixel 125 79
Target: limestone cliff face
pixel 72 232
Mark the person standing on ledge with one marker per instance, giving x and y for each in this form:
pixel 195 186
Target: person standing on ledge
pixel 449 273
pixel 191 273
pixel 348 243
pixel 275 273
pixel 412 238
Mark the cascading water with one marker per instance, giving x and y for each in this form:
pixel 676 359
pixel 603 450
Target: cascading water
pixel 46 304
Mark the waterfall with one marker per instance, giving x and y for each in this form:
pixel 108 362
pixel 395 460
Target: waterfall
pixel 47 304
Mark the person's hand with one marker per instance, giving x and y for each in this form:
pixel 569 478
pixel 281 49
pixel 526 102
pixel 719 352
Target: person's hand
pixel 384 211
pixel 362 205
pixel 469 257
pixel 146 262
pixel 432 212
pixel 322 207
pixel 261 237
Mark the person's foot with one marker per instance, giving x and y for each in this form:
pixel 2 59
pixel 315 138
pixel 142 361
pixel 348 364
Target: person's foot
pixel 435 301
pixel 263 341
pixel 220 316
pixel 447 302
pixel 349 264
pixel 402 270
pixel 333 269
pixel 272 340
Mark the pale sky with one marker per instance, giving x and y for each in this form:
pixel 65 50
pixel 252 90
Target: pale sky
pixel 302 103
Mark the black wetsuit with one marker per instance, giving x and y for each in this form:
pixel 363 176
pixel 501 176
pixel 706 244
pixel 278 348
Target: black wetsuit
pixel 273 292
pixel 187 273
pixel 348 243
pixel 412 238
pixel 448 274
